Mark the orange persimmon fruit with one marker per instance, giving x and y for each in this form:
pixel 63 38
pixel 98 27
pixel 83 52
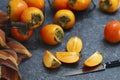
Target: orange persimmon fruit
pixel 68 57
pixel 79 5
pixel 60 4
pixel 16 8
pixel 65 18
pixel 50 61
pixel 52 34
pixel 32 16
pixel 93 60
pixel 36 3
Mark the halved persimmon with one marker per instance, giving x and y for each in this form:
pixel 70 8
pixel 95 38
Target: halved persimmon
pixel 50 61
pixel 94 60
pixel 68 57
pixel 32 16
pixel 65 18
pixel 74 44
pixel 52 34
pixel 60 4
pixel 36 3
pixel 16 8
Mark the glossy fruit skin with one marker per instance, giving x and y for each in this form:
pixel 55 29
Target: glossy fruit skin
pixel 21 34
pixel 79 5
pixel 112 31
pixel 109 6
pixel 32 16
pixel 65 18
pixel 36 3
pixel 60 4
pixel 16 8
pixel 49 34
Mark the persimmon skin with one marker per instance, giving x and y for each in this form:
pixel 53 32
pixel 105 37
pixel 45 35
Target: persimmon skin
pixel 36 3
pixel 79 5
pixel 65 15
pixel 48 34
pixel 60 4
pixel 16 8
pixel 26 17
pixel 112 31
pixel 109 6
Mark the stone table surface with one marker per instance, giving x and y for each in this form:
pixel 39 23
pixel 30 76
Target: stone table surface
pixel 90 28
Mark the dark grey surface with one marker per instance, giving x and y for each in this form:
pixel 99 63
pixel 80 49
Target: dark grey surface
pixel 90 29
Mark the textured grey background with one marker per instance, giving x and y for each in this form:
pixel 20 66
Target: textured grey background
pixel 90 28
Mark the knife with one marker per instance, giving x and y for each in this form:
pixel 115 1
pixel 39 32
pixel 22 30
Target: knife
pixel 100 67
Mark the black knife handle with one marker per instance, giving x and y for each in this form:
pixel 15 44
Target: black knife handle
pixel 111 64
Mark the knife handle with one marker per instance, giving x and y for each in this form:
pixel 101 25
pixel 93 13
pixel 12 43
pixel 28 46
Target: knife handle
pixel 111 64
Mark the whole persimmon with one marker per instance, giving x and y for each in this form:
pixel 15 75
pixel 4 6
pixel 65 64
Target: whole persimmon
pixel 79 5
pixel 32 16
pixel 52 34
pixel 65 18
pixel 16 8
pixel 112 31
pixel 35 3
pixel 60 4
pixel 109 6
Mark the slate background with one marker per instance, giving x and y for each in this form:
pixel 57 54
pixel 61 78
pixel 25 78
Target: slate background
pixel 90 28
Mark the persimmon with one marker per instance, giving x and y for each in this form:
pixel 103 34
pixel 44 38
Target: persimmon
pixel 52 34
pixel 109 6
pixel 74 44
pixel 32 16
pixel 36 3
pixel 21 33
pixel 68 57
pixel 50 61
pixel 16 8
pixel 79 5
pixel 60 4
pixel 112 31
pixel 94 60
pixel 65 18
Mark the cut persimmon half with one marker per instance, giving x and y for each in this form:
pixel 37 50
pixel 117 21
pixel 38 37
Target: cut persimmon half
pixel 50 61
pixel 94 60
pixel 74 44
pixel 68 57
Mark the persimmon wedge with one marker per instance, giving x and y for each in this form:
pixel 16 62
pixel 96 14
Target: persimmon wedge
pixel 94 60
pixel 68 57
pixel 50 61
pixel 74 44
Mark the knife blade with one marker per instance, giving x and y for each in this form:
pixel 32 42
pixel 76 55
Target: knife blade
pixel 100 67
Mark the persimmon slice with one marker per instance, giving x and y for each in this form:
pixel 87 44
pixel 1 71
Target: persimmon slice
pixel 94 59
pixel 68 57
pixel 74 44
pixel 50 61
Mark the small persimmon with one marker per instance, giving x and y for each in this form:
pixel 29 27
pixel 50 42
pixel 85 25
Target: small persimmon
pixel 32 16
pixel 65 18
pixel 16 8
pixel 35 3
pixel 60 4
pixel 52 34
pixel 79 5
pixel 68 57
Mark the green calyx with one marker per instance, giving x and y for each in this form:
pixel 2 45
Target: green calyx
pixel 72 2
pixel 106 4
pixel 36 18
pixel 59 34
pixel 23 31
pixel 63 20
